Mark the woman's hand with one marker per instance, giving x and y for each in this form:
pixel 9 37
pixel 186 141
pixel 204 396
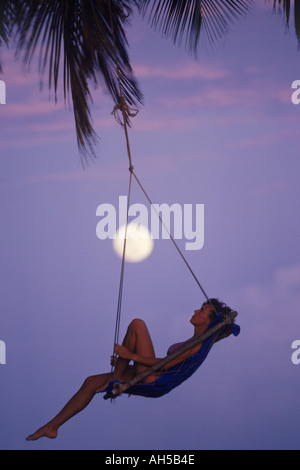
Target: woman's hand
pixel 123 352
pixel 113 360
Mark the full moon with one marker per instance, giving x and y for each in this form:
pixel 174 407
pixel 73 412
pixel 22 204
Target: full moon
pixel 139 244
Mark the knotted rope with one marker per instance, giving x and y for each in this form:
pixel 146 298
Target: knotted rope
pixel 125 110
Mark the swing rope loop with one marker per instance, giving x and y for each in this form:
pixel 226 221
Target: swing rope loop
pixel 121 284
pixel 126 112
pixel 171 237
pixel 123 107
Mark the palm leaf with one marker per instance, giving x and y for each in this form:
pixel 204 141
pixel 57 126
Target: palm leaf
pixel 180 19
pixel 297 19
pixel 286 6
pixel 76 36
pixel 9 11
pixel 77 43
pixel 3 23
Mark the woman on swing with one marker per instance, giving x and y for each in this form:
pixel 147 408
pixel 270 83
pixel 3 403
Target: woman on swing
pixel 137 347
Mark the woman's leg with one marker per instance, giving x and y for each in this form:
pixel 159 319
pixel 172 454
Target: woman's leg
pixel 137 340
pixel 78 402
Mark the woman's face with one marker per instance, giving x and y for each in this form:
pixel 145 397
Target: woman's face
pixel 201 316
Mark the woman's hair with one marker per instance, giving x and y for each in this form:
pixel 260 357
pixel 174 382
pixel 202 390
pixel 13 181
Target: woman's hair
pixel 219 307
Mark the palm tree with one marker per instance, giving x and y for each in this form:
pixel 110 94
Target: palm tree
pixel 77 37
pixel 86 39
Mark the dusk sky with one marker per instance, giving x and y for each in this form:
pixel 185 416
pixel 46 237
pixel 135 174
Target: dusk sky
pixel 220 131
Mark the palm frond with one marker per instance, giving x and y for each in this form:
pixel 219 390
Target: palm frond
pixel 286 7
pixel 3 23
pixel 180 19
pixel 76 36
pixel 9 10
pixel 297 19
pixel 78 46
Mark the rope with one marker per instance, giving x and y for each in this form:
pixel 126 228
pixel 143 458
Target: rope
pixel 172 239
pixel 124 108
pixel 121 284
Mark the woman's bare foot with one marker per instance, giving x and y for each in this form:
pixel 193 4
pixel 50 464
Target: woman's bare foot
pixel 45 431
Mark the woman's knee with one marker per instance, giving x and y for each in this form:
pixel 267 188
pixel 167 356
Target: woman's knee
pixel 89 383
pixel 137 324
pixel 95 382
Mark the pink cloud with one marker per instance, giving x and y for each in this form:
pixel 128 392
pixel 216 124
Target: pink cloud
pixel 213 96
pixel 224 97
pixel 32 140
pixel 186 71
pixel 280 294
pixel 31 109
pixel 90 174
pixel 271 138
pixel 167 123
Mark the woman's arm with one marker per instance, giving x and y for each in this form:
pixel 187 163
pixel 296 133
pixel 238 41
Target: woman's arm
pixel 124 353
pixel 144 360
pixel 149 361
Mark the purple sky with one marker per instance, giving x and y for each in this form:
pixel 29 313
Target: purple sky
pixel 221 131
